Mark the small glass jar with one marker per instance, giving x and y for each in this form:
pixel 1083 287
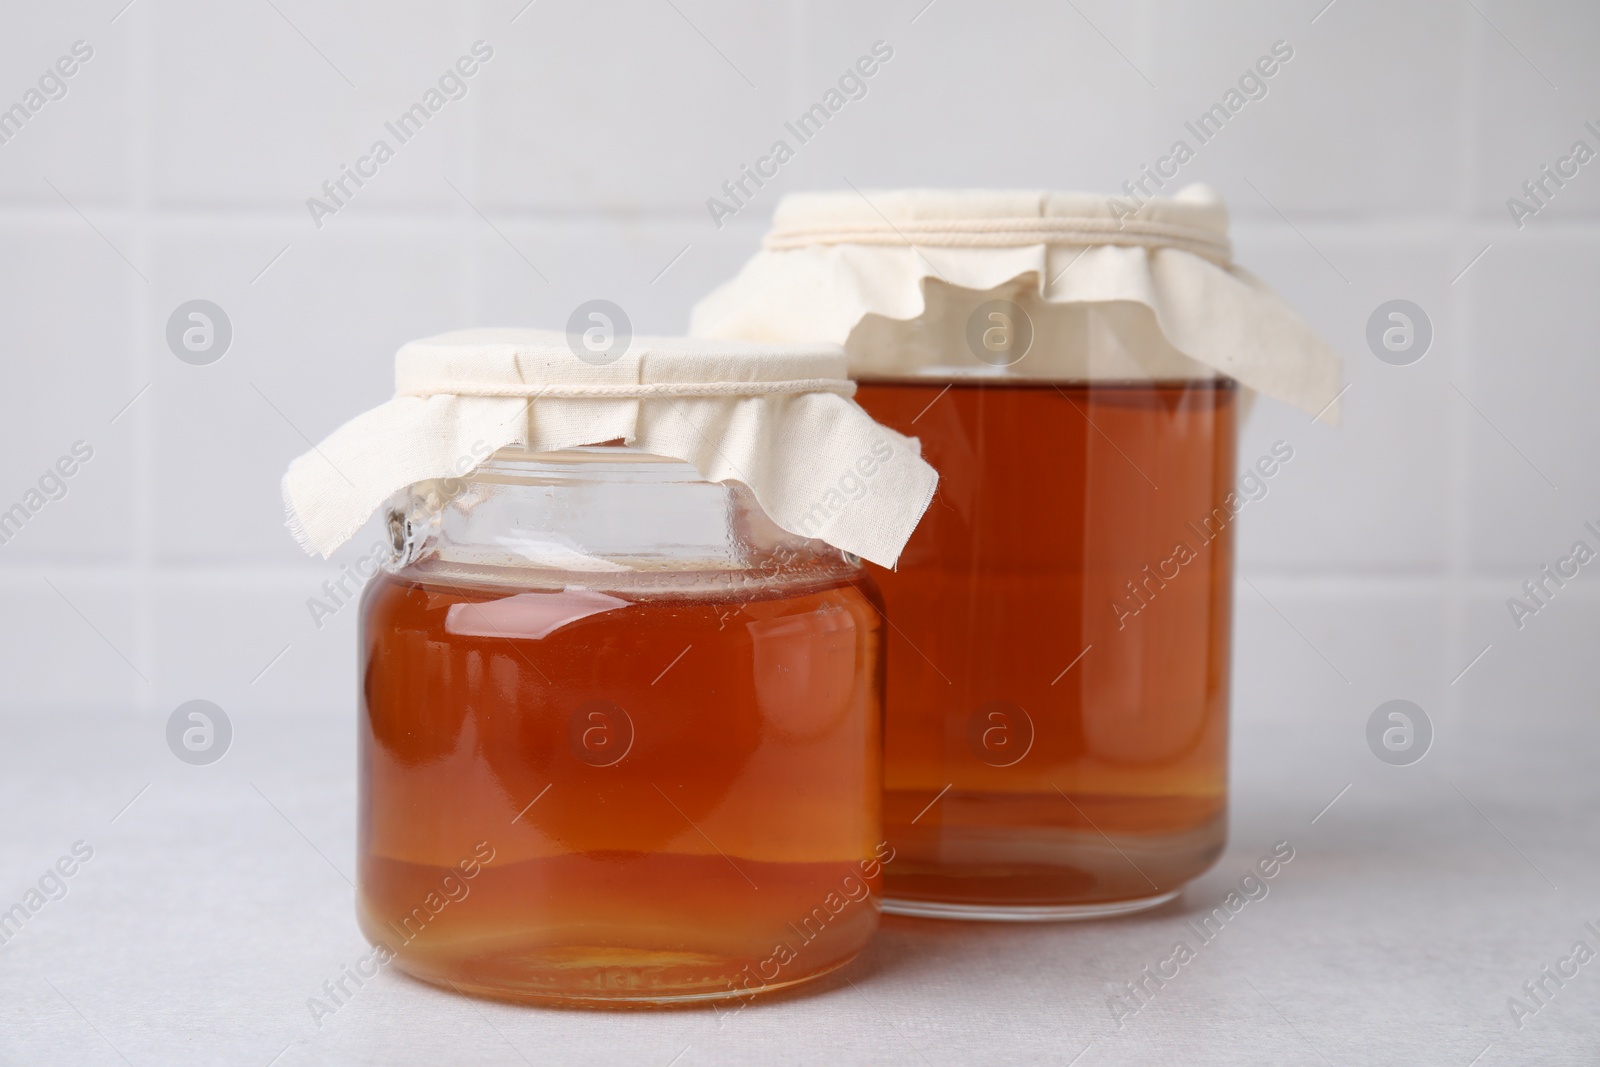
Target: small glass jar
pixel 620 737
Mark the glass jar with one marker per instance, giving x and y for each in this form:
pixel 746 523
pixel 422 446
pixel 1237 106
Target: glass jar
pixel 620 737
pixel 1057 721
pixel 1056 725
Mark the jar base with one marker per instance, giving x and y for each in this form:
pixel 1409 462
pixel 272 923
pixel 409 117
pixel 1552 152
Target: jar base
pixel 1024 913
pixel 637 1001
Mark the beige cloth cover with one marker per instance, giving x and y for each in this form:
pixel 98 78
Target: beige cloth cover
pixel 1113 293
pixel 776 417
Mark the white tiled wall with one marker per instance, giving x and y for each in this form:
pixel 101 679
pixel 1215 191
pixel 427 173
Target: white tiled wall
pixel 577 166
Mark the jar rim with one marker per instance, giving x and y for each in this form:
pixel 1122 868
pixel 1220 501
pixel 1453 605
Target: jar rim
pixel 609 452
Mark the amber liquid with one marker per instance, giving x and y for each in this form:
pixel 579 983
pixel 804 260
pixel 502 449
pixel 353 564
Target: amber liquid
pixel 1045 747
pixel 673 788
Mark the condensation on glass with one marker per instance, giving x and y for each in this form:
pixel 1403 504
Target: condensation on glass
pixel 620 737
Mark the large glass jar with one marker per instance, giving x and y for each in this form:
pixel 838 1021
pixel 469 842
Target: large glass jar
pixel 1057 722
pixel 620 737
pixel 1074 365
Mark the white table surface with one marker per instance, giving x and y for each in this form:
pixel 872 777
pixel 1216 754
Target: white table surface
pixel 216 905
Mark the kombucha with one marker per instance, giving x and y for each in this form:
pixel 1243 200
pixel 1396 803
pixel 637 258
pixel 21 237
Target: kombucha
pixel 1056 718
pixel 653 792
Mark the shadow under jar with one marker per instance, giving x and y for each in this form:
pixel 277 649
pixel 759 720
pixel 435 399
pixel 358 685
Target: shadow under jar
pixel 1057 725
pixel 620 738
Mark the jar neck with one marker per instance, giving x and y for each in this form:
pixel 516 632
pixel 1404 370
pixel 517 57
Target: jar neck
pixel 597 516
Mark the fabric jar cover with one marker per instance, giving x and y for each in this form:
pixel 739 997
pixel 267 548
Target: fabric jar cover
pixel 1112 293
pixel 777 418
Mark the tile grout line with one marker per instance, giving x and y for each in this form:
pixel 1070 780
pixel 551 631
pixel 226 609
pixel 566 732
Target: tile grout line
pixel 1459 319
pixel 144 461
pixel 473 270
pixel 1406 227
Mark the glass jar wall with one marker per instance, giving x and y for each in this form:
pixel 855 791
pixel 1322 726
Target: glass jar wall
pixel 620 738
pixel 1056 731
